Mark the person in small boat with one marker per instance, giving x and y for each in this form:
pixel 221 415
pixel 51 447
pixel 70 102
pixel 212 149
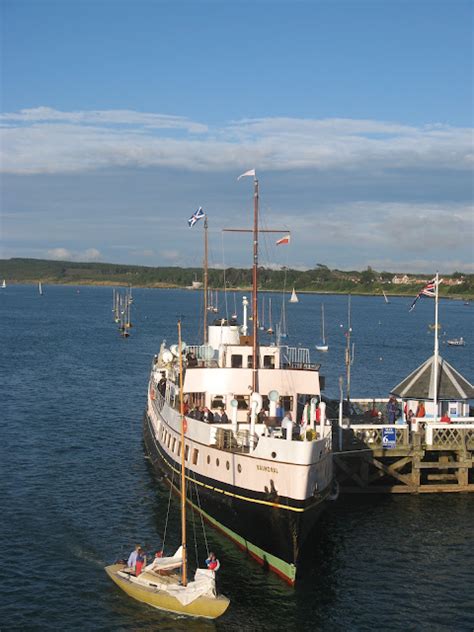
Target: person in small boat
pixel 140 561
pixel 132 558
pixel 212 562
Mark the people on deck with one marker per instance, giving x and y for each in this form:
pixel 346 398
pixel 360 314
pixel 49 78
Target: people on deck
pixel 217 416
pixel 212 562
pixel 392 409
pixel 420 411
pixel 446 419
pixel 287 426
pixel 224 418
pixel 191 358
pixel 162 385
pixel 207 416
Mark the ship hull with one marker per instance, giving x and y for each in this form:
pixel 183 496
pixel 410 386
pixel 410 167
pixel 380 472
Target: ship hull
pixel 255 522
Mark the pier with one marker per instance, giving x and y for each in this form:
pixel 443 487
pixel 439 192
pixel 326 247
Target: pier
pixel 431 458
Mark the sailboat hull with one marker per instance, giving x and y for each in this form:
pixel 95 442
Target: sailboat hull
pixel 203 606
pixel 255 522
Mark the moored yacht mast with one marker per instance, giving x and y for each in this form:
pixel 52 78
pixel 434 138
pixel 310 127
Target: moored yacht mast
pixel 184 579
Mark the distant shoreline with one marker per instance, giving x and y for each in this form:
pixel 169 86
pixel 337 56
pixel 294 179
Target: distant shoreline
pixel 170 286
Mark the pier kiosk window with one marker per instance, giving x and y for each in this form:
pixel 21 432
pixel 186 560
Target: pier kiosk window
pixel 243 401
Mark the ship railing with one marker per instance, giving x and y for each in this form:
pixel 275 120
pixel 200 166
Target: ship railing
pixel 296 358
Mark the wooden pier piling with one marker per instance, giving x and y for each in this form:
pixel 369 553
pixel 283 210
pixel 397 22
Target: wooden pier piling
pixel 436 458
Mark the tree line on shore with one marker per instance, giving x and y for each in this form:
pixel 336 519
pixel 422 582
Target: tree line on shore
pixel 318 279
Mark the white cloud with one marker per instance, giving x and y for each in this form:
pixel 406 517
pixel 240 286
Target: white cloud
pixel 44 140
pixel 64 254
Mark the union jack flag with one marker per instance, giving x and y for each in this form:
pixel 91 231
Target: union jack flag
pixel 197 215
pixel 428 290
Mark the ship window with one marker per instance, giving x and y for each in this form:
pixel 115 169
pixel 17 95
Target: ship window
pixel 186 452
pixel 242 402
pixel 169 441
pixel 227 464
pixel 217 401
pixel 208 459
pixel 287 403
pixel 239 468
pixel 268 361
pixel 195 456
pixel 179 448
pixel 236 361
pixel 174 444
pixel 196 399
pixel 274 455
pixel 217 462
pixel 250 362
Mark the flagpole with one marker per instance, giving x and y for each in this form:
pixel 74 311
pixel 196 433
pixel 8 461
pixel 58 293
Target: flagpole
pixel 205 280
pixel 436 354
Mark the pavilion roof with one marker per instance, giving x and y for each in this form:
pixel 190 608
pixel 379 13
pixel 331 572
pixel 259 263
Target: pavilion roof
pixel 452 386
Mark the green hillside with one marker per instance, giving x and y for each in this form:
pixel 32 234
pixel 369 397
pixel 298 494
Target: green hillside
pixel 319 279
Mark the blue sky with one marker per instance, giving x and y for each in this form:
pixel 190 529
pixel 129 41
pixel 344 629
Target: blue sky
pixel 119 118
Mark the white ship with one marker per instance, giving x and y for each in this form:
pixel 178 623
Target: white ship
pixel 262 480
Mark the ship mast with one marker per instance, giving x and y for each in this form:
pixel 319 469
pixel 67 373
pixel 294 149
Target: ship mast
pixel 205 280
pixel 254 288
pixel 184 579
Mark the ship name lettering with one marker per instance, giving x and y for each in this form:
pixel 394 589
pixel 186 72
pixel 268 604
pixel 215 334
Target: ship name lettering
pixel 267 468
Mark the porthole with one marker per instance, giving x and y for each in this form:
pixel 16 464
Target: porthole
pixel 217 462
pixel 239 468
pixel 208 459
pixel 227 464
pixel 274 455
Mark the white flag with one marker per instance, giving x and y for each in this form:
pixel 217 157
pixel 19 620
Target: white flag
pixel 247 173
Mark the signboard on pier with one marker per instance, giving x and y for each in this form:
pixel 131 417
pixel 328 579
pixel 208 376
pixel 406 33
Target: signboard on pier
pixel 389 438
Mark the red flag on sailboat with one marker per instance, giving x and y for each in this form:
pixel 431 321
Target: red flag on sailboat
pixel 283 240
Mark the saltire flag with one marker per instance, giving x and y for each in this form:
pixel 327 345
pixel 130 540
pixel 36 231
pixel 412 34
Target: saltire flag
pixel 251 172
pixel 428 290
pixel 196 216
pixel 283 240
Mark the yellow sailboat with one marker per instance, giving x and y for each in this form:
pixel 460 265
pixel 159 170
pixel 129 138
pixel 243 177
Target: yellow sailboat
pixel 163 584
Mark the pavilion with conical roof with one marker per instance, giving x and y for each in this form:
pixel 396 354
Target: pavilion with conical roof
pixel 452 393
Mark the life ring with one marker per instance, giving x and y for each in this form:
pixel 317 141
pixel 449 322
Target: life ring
pixel 152 393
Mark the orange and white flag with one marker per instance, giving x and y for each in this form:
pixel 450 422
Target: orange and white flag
pixel 283 240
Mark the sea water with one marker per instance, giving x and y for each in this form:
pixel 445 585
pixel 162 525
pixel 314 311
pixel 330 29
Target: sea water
pixel 77 493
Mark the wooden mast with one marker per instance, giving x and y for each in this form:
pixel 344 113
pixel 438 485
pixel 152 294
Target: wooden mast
pixel 205 280
pixel 184 578
pixel 254 288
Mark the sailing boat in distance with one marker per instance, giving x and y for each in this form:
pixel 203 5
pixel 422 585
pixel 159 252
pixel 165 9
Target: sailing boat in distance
pixel 293 297
pixel 323 346
pixel 40 288
pixel 385 297
pixel 4 284
pixel 270 324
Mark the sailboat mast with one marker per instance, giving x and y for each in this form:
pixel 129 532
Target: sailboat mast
pixel 322 323
pixel 205 280
pixel 348 349
pixel 183 477
pixel 254 288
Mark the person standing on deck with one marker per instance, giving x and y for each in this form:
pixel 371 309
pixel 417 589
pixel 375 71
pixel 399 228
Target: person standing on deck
pixel 392 410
